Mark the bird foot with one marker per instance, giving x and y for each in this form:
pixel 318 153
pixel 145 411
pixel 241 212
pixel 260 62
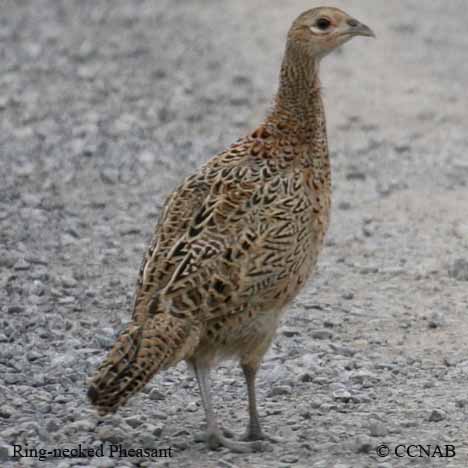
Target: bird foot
pixel 216 439
pixel 252 435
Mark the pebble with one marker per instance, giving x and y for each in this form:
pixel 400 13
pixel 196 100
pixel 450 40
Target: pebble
pixel 15 309
pixel 344 205
pixel 363 444
pixel 355 174
pixel 4 452
pixel 192 407
pixel 343 350
pixel 148 441
pixel 156 395
pixel 342 395
pixel 289 459
pixel 368 270
pixel 112 435
pixel 437 320
pixel 437 415
pixel 153 429
pixel 69 282
pixel 290 332
pixel 134 421
pixel 459 270
pixel 84 425
pixel 377 429
pixel 22 265
pixel 279 390
pixel 104 341
pixel 53 425
pixel 322 334
pixel 461 402
pixel 105 462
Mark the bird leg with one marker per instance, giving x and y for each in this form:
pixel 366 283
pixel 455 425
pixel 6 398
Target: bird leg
pixel 254 430
pixel 214 437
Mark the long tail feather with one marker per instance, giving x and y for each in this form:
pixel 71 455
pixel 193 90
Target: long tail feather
pixel 137 355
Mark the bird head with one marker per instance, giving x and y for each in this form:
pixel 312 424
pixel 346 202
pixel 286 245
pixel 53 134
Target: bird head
pixel 323 29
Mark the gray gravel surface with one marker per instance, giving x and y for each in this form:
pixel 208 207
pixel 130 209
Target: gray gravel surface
pixel 106 105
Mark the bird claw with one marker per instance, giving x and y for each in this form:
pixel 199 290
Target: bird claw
pixel 203 435
pixel 260 435
pixel 214 440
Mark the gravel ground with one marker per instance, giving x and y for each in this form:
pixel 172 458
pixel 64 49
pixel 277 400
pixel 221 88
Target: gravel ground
pixel 104 106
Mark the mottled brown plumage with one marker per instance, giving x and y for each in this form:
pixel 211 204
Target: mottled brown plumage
pixel 236 241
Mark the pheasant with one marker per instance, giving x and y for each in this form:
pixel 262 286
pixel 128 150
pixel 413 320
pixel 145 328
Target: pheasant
pixel 235 242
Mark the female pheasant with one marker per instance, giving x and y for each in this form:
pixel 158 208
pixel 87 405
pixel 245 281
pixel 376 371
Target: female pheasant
pixel 236 241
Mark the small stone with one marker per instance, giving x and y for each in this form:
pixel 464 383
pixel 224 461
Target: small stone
pixel 7 259
pixel 437 415
pixel 4 452
pixel 69 282
pixel 180 444
pixel 64 464
pixel 342 395
pixel 363 445
pixel 290 332
pixel 362 376
pixel 105 462
pixel 112 435
pixel 461 402
pixel 12 379
pixel 104 341
pixel 458 270
pixel 134 421
pixel 289 459
pixel 355 175
pixel 343 350
pixel 360 398
pixel 368 270
pixel 327 407
pixel 10 433
pixel 33 356
pixel 377 429
pixel 148 441
pixel 156 431
pixel 156 395
pixel 15 309
pixel 321 380
pixel 322 334
pixel 52 425
pixel 306 377
pixel 344 205
pixel 6 411
pixel 38 380
pixel 409 423
pixel 280 390
pixel 437 320
pixel 348 295
pixel 84 425
pixel 450 361
pixel 21 265
pixel 192 407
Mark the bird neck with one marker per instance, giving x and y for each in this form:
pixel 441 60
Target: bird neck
pixel 298 105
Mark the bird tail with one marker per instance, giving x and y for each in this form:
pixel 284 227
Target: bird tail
pixel 139 352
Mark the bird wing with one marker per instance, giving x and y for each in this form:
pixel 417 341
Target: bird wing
pixel 226 239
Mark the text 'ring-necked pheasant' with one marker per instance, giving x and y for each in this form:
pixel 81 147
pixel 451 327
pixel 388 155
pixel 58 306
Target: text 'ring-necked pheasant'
pixel 236 242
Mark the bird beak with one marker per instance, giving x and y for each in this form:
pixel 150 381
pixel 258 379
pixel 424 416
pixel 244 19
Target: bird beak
pixel 359 29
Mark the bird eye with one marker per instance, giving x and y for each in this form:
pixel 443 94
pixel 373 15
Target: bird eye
pixel 323 23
